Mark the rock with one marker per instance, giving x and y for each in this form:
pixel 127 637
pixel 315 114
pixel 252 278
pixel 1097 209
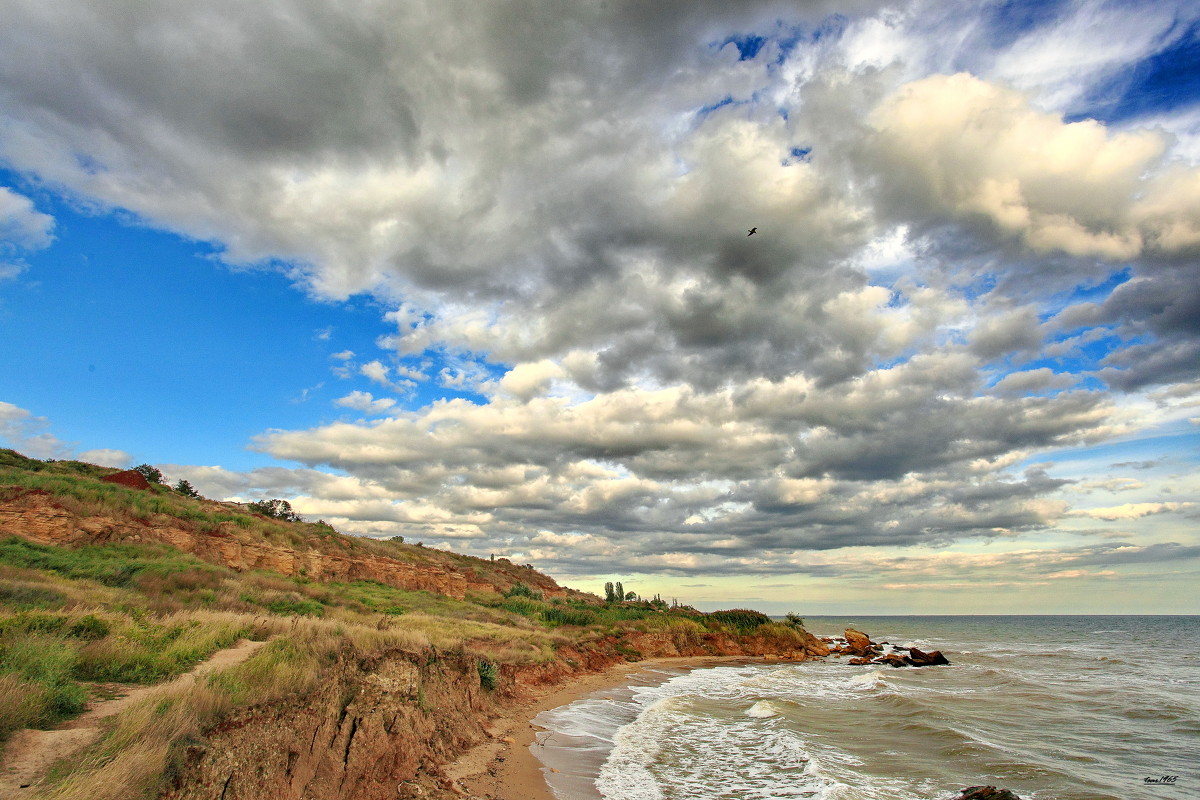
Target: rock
pixel 857 643
pixel 893 660
pixel 985 793
pixel 919 658
pixel 814 646
pixel 859 662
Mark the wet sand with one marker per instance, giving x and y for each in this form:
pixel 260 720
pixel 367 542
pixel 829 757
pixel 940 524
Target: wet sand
pixel 506 767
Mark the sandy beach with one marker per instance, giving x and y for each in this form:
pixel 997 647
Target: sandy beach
pixel 505 767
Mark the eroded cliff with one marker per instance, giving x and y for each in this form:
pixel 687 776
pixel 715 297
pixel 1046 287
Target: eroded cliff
pixel 39 517
pixel 386 726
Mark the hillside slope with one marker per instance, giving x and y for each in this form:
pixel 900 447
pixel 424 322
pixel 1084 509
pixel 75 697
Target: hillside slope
pixel 70 503
pixel 381 660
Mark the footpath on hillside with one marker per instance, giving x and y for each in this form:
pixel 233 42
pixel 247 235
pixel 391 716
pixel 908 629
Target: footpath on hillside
pixel 30 753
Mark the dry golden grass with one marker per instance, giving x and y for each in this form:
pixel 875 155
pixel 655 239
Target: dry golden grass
pixel 129 760
pixel 22 704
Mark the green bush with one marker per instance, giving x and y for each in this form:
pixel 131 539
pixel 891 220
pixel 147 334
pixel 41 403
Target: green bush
pixel 299 607
pixel 521 590
pixel 488 674
pixel 90 627
pixel 151 474
pixel 275 509
pixel 742 620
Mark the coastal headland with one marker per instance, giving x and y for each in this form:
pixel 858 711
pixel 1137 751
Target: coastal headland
pixel 385 668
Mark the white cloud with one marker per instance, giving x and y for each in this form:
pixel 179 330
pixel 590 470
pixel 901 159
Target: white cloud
pixel 21 224
pixel 973 149
pixel 363 401
pixel 1132 510
pixel 106 457
pixel 22 431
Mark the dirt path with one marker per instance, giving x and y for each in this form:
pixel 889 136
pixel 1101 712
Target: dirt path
pixel 30 753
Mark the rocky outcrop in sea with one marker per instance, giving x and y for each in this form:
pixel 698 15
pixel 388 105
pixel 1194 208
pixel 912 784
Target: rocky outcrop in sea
pixel 857 644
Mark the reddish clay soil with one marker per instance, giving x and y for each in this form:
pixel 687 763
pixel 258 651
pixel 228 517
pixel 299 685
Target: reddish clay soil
pixel 130 477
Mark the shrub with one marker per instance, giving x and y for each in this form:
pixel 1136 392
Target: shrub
pixel 521 590
pixel 275 509
pixel 743 620
pixel 488 673
pixel 186 489
pixel 90 628
pixel 149 473
pixel 295 606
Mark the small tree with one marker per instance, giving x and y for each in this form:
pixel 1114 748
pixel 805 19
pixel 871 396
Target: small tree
pixel 276 509
pixel 795 620
pixel 186 489
pixel 620 591
pixel 149 473
pixel 610 594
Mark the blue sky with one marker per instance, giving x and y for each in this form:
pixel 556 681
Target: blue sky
pixel 425 276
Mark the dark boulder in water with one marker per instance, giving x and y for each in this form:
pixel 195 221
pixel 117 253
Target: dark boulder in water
pixel 985 793
pixel 919 658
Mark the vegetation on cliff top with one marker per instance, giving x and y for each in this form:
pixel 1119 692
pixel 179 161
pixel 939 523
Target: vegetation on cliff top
pixel 75 620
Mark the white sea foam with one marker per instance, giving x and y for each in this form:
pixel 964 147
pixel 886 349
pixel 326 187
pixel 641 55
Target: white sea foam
pixel 763 709
pixel 828 731
pixel 869 680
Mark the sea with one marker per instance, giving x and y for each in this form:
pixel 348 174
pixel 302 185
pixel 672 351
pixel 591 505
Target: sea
pixel 1049 707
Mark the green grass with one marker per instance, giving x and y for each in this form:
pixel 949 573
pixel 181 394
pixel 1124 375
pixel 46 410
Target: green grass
pixel 741 620
pixel 112 565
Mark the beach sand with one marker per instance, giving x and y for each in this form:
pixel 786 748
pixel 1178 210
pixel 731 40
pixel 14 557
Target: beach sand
pixel 506 768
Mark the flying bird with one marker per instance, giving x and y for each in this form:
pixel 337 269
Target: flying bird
pixel 753 231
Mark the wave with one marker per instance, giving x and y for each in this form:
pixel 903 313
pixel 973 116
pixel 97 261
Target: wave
pixel 763 709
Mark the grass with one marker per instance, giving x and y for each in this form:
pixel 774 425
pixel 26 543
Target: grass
pixel 145 613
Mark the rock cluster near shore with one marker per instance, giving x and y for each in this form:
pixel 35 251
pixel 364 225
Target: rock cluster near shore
pixel 857 644
pixel 984 793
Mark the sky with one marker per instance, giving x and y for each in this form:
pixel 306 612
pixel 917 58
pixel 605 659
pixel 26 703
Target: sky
pixel 479 275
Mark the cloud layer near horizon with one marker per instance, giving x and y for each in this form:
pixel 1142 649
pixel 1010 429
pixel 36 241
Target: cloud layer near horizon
pixel 956 270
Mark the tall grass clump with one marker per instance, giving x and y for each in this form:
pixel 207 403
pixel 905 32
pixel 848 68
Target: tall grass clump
pixel 741 620
pixel 563 616
pixel 38 681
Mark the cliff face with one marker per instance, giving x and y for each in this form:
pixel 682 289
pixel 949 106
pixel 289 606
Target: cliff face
pixel 384 727
pixel 376 728
pixel 37 517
